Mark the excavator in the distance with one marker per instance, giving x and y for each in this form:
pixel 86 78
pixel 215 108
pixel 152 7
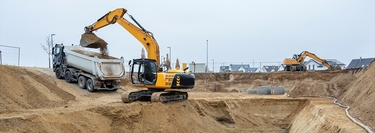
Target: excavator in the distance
pixel 145 72
pixel 296 63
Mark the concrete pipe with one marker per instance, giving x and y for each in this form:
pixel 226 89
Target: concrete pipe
pixel 278 90
pixel 252 92
pixel 264 90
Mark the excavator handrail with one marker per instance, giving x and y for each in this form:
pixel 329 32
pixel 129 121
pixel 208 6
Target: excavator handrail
pixel 141 34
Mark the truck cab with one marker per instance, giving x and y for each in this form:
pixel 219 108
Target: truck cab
pixel 57 59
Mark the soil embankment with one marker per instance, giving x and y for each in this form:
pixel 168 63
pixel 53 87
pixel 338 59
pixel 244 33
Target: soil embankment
pixel 35 101
pixel 360 96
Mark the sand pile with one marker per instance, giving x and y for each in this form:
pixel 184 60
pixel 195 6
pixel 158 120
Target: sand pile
pixel 360 96
pixel 334 87
pixel 22 89
pixel 33 100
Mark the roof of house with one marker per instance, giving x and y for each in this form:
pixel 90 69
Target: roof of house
pixel 253 69
pixel 336 62
pixel 270 68
pixel 362 62
pixel 223 68
pixel 236 67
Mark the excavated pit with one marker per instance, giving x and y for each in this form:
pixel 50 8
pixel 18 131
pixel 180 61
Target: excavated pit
pixel 196 115
pixel 35 101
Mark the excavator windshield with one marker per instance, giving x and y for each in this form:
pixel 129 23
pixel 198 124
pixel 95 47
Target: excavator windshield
pixel 144 71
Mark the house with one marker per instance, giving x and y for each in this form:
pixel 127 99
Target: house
pixel 270 68
pixel 239 67
pixel 253 69
pixel 197 68
pixel 224 69
pixel 334 62
pixel 361 62
pixel 316 65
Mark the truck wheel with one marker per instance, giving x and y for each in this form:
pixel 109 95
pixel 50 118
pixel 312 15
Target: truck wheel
pixel 90 85
pixel 58 73
pixel 68 77
pixel 82 82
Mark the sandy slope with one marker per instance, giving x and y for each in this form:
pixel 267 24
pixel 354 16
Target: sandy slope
pixel 360 96
pixel 33 100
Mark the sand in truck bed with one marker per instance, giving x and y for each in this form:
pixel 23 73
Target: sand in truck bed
pixel 93 54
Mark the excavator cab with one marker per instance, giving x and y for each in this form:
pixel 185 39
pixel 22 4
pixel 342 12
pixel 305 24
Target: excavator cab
pixel 144 71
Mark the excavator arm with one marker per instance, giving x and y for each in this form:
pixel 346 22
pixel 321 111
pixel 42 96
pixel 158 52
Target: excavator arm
pixel 142 35
pixel 313 56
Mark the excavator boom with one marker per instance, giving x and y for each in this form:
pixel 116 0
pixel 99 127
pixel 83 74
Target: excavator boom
pixel 296 63
pixel 313 56
pixel 89 39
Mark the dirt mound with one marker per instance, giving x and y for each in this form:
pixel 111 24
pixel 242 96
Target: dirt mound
pixel 205 115
pixel 334 87
pixel 42 103
pixel 320 116
pixel 360 96
pixel 22 89
pixel 224 82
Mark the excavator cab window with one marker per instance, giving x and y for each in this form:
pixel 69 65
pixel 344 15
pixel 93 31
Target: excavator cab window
pixel 295 56
pixel 144 72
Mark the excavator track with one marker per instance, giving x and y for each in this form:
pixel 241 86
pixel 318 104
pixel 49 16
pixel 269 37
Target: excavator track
pixel 125 97
pixel 154 96
pixel 169 96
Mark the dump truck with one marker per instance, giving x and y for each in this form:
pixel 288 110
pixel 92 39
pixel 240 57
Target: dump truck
pixel 91 70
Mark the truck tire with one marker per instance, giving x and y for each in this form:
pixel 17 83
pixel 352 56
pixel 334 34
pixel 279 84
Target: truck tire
pixel 82 82
pixel 58 73
pixel 68 77
pixel 90 85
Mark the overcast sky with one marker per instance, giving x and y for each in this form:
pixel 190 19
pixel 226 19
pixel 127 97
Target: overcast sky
pixel 236 30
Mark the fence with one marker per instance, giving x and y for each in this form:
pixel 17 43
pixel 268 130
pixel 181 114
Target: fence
pixel 216 66
pixel 236 66
pixel 9 55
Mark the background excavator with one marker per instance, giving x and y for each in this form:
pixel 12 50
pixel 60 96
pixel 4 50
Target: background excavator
pixel 145 73
pixel 296 63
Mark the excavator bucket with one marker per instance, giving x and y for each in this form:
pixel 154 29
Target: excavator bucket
pixel 92 41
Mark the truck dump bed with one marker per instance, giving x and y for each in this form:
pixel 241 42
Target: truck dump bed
pixel 102 66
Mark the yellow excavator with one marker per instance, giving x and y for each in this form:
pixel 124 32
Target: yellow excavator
pixel 296 63
pixel 145 73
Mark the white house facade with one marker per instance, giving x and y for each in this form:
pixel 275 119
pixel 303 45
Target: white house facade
pixel 315 65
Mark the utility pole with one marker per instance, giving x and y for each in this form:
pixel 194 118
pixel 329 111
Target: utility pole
pixel 213 65
pixel 207 58
pixel 1 60
pixel 49 51
pixel 170 57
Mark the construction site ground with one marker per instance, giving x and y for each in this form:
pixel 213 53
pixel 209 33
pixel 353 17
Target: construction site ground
pixel 33 100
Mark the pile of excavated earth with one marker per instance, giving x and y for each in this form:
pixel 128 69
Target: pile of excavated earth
pixel 33 100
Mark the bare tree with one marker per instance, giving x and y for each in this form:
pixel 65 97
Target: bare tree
pixel 47 47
